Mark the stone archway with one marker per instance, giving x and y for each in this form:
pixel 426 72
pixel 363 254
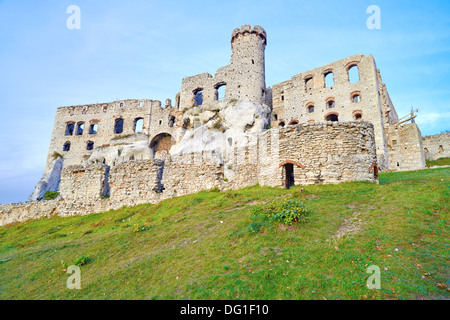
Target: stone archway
pixel 161 144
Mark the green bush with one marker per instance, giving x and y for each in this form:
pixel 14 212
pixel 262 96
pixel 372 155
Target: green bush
pixel 50 195
pixel 286 211
pixel 82 260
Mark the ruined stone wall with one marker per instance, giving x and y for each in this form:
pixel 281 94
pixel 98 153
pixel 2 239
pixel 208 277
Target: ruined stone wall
pixel 104 115
pixel 321 153
pixel 292 99
pixel 405 147
pixel 437 146
pixel 135 182
pixel 190 173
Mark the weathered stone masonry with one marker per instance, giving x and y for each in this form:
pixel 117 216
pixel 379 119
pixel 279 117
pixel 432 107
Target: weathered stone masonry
pixel 327 127
pixel 321 153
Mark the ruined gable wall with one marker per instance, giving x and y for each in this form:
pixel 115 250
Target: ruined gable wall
pixel 104 114
pixel 291 98
pixel 405 147
pixel 437 146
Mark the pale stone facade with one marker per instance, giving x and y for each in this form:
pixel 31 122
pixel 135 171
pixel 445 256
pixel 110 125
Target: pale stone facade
pixel 437 146
pixel 225 131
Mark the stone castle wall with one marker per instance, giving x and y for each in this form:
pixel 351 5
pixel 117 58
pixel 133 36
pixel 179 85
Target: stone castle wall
pixel 292 99
pixel 437 146
pixel 405 147
pixel 321 153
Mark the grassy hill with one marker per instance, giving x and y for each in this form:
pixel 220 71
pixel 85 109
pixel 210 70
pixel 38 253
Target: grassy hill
pixel 208 246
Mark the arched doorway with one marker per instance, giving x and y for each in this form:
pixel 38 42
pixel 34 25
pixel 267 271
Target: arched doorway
pixel 161 145
pixel 288 175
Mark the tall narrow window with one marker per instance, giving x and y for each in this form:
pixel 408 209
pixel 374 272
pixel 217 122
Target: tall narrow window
pixel 311 109
pixel 70 128
pixel 220 91
pixel 356 98
pixel 309 84
pixel 353 74
pixel 329 79
pixel 90 146
pixel 66 146
pixel 118 126
pixel 138 125
pixel 171 122
pixel 198 97
pixel 80 128
pixel 93 128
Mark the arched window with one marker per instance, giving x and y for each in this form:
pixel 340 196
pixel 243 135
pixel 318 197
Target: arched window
pixel 353 73
pixel 329 79
pixel 118 126
pixel 220 91
pixel 90 146
pixel 356 97
pixel 198 97
pixel 293 123
pixel 281 124
pixel 80 128
pixel 310 107
pixel 358 116
pixel 66 146
pixel 332 117
pixel 330 103
pixel 70 126
pixel 93 128
pixel 138 125
pixel 309 85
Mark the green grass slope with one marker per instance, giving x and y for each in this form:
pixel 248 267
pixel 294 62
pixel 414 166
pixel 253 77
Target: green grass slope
pixel 208 246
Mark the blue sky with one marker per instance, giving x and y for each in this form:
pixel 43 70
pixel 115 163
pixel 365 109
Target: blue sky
pixel 142 49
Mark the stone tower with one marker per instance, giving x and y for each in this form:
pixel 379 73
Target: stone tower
pixel 248 63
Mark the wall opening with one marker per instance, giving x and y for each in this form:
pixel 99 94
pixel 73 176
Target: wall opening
pixel 293 123
pixel 332 117
pixel 441 149
pixel 353 74
pixel 138 125
pixel 330 103
pixel 118 126
pixel 220 91
pixel 198 97
pixel 90 146
pixel 289 180
pixel 161 144
pixel 281 124
pixel 311 109
pixel 329 79
pixel 309 84
pixel 93 128
pixel 356 98
pixel 66 146
pixel 171 122
pixel 358 116
pixel 70 128
pixel 80 128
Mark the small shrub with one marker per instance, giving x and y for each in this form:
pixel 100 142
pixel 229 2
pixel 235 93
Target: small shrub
pixel 50 195
pixel 141 227
pixel 82 260
pixel 286 211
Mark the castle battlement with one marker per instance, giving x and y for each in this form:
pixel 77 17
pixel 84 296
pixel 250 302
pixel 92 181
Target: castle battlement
pixel 247 29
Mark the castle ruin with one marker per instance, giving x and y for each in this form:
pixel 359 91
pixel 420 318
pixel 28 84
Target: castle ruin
pixel 331 124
